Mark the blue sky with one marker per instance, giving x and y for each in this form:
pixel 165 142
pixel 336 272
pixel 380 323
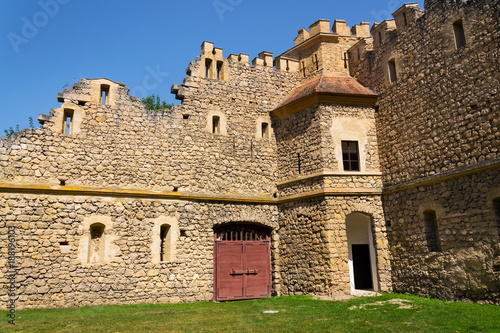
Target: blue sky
pixel 47 45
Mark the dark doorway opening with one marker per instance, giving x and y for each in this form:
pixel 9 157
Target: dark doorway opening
pixel 362 266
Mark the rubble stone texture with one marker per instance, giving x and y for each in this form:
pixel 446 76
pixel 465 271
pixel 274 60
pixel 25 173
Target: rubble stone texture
pixel 113 204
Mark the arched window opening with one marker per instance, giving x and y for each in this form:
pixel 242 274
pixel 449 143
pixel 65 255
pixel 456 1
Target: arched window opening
pixel 67 121
pixel 458 31
pixel 96 243
pixel 165 242
pixel 431 231
pixel 216 124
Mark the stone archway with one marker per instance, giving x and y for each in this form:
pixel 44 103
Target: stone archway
pixel 361 252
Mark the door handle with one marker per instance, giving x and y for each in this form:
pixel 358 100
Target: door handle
pixel 237 272
pixel 243 271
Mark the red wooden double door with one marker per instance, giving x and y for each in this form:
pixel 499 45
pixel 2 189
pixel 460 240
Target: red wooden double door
pixel 242 262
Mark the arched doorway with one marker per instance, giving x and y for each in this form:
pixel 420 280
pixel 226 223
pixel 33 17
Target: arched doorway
pixel 362 257
pixel 242 262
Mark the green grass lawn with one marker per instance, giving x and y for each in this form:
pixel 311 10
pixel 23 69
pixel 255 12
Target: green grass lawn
pixel 386 313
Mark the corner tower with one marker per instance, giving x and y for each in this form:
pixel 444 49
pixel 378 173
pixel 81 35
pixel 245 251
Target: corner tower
pixel 329 180
pixel 322 49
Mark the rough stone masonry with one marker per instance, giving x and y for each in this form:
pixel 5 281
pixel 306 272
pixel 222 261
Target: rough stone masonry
pixel 363 159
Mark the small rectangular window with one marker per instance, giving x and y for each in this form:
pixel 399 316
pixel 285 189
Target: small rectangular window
pixel 458 30
pixel 405 20
pixel 350 155
pixel 208 65
pixel 104 94
pixel 431 231
pixel 393 77
pixel 165 242
pixel 496 208
pixel 299 162
pixel 96 243
pixel 216 124
pixel 316 61
pixel 219 70
pixel 265 130
pixel 67 121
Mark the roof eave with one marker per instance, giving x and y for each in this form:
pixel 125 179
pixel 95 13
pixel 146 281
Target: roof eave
pixel 315 98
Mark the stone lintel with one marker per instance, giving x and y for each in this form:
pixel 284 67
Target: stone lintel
pixel 43 118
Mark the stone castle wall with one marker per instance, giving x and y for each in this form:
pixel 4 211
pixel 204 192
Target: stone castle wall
pixel 125 145
pixel 129 169
pixel 438 135
pixel 428 148
pixel 314 248
pixel 51 239
pixel 467 265
pixel 442 112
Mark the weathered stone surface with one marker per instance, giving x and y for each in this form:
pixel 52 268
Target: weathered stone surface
pixel 436 124
pixel 112 203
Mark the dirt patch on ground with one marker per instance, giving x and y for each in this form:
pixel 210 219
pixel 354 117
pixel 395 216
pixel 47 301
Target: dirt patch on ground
pixel 402 304
pixel 343 297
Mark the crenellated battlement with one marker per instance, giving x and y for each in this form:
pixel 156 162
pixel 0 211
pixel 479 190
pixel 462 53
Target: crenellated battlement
pixel 85 96
pixel 264 59
pixel 407 14
pixel 212 64
pixel 381 32
pixel 286 64
pixel 322 49
pixel 338 28
pixel 379 47
pixel 239 57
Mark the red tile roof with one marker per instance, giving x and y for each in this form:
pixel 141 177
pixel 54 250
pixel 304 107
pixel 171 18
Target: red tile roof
pixel 328 84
